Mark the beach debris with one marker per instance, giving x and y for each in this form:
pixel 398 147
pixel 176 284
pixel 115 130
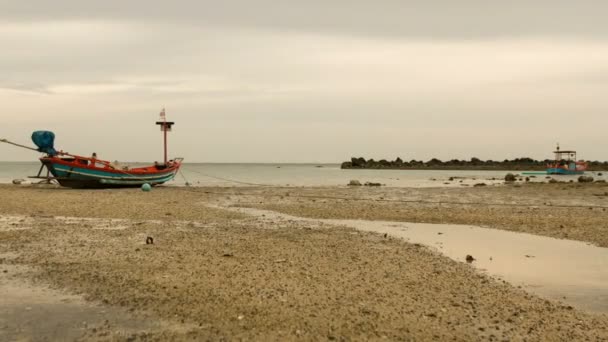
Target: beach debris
pixel 509 177
pixel 529 256
pixel 553 180
pixel 372 184
pixel 385 235
pixel 439 233
pixel 480 184
pixel 600 174
pixel 146 187
pixel 585 179
pixel 149 240
pixel 280 260
pixel 469 258
pixel 228 254
pixel 527 179
pixel 354 182
pixel 18 181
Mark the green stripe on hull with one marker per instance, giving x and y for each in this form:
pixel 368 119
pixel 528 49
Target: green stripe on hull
pixel 137 181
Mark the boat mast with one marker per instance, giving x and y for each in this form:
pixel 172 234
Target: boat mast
pixel 165 126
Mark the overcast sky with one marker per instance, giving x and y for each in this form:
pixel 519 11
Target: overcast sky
pixel 306 81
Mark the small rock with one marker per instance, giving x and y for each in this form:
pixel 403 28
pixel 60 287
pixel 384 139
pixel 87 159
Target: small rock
pixel 372 184
pixel 553 181
pixel 469 258
pixel 585 179
pixel 510 177
pixel 228 254
pixel 354 182
pixel 480 184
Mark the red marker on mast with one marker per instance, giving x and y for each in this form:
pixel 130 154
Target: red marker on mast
pixel 165 126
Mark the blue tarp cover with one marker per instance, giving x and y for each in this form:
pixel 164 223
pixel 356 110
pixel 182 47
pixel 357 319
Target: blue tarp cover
pixel 45 141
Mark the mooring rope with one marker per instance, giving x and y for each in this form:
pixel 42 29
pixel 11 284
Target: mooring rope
pixel 184 177
pixel 228 179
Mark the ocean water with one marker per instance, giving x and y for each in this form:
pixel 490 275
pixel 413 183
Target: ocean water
pixel 211 174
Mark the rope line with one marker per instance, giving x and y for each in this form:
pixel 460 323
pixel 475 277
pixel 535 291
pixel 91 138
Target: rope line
pixel 184 177
pixel 229 180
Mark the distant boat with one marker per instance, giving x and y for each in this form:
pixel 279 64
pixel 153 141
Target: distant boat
pixel 77 171
pixel 565 163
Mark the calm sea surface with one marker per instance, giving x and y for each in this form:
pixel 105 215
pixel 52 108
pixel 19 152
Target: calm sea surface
pixel 209 174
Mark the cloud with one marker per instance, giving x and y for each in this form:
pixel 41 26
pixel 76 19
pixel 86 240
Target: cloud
pixel 309 80
pixel 430 19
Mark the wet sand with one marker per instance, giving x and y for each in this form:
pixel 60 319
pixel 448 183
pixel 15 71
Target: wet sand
pixel 216 274
pixel 573 272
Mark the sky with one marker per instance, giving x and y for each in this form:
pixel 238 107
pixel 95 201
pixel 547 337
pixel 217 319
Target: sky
pixel 306 81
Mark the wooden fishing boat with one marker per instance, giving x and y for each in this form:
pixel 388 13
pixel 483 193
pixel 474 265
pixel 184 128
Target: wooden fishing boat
pixel 565 163
pixel 76 171
pixel 81 172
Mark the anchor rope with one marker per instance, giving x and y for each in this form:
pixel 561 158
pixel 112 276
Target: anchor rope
pixel 229 180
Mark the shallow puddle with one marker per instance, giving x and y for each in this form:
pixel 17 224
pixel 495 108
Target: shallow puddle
pixel 36 313
pixel 570 271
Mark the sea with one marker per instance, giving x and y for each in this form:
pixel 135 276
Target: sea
pixel 303 175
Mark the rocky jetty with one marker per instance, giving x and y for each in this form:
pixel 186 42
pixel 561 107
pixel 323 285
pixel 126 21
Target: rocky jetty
pixel 527 164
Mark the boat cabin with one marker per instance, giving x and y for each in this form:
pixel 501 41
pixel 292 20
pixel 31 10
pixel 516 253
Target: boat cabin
pixel 566 163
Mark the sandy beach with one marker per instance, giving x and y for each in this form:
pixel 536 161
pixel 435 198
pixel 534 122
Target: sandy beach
pixel 78 261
